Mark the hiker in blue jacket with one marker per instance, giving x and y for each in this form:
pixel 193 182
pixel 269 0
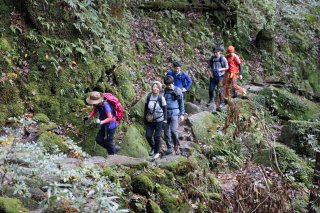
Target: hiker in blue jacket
pixel 180 78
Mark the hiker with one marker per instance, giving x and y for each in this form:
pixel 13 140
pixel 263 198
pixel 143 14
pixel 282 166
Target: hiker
pixel 106 120
pixel 175 110
pixel 181 79
pixel 155 114
pixel 234 72
pixel 217 65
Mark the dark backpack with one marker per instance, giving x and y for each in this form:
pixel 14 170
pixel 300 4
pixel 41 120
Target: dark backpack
pixel 215 72
pixel 116 106
pixel 175 93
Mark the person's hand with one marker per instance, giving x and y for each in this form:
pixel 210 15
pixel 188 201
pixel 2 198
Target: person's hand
pixel 98 121
pixel 85 118
pixel 181 118
pixel 183 89
pixel 240 77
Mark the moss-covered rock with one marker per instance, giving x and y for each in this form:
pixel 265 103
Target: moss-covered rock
pixel 41 118
pixel 51 140
pixel 5 44
pixel 11 205
pixel 179 166
pixel 169 204
pixel 124 82
pixel 289 106
pixel 111 174
pixel 203 125
pixel 137 110
pixel 4 114
pixel 301 136
pixel 153 207
pixel 134 144
pixel 142 184
pixel 288 161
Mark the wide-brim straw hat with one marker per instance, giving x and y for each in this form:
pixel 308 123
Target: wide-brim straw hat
pixel 94 98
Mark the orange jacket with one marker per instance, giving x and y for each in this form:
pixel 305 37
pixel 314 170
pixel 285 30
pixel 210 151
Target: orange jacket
pixel 233 62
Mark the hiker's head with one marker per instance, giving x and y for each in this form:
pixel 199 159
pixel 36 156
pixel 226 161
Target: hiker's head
pixel 95 98
pixel 156 87
pixel 216 50
pixel 230 49
pixel 168 81
pixel 176 66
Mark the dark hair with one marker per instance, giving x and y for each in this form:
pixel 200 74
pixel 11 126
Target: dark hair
pixel 168 79
pixel 176 64
pixel 216 49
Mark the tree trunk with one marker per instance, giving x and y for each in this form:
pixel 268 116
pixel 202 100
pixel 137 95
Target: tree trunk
pixel 314 202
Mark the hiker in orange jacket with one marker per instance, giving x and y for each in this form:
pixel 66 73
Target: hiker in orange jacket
pixel 234 72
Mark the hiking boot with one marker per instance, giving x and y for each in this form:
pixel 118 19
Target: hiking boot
pixel 169 151
pixel 177 150
pixel 209 103
pixel 156 156
pixel 151 153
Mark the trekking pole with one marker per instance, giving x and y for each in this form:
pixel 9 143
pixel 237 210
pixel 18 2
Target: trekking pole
pixel 84 129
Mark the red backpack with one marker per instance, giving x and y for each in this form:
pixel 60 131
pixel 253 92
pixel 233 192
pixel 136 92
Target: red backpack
pixel 116 106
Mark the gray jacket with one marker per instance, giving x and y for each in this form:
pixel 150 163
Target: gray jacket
pixel 175 102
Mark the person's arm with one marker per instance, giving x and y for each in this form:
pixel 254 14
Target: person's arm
pixel 189 80
pixel 93 112
pixel 108 119
pixel 240 71
pixel 209 72
pixel 224 64
pixel 181 104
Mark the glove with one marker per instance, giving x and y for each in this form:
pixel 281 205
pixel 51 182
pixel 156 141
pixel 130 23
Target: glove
pixel 85 118
pixel 98 121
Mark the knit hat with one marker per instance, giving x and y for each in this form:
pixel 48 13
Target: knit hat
pixel 94 98
pixel 230 49
pixel 158 84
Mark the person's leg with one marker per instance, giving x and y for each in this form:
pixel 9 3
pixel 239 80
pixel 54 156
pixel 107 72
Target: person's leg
pixel 157 136
pixel 109 141
pixel 167 136
pixel 235 85
pixel 150 127
pixel 100 136
pixel 211 88
pixel 174 131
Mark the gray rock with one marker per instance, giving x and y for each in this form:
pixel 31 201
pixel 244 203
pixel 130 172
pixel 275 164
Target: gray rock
pixel 191 108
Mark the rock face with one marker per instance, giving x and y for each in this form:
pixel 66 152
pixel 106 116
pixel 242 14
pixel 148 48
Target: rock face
pixel 134 144
pixel 203 125
pixel 300 136
pixel 191 108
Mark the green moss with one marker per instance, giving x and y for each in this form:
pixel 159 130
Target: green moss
pixel 124 82
pixel 164 190
pixel 137 110
pixel 4 44
pixel 201 120
pixel 4 114
pixel 289 106
pixel 140 47
pixel 301 136
pixel 11 205
pixel 134 144
pixel 153 207
pixel 289 163
pixel 142 184
pixel 41 118
pixel 169 204
pixel 111 174
pixel 50 106
pixel 180 166
pixel 50 140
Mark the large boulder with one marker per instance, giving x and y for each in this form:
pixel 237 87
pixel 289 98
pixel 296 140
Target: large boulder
pixel 138 109
pixel 301 136
pixel 134 144
pixel 286 160
pixel 191 108
pixel 203 125
pixel 289 106
pixel 11 205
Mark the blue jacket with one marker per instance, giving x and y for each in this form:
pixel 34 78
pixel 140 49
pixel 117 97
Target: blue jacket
pixel 175 103
pixel 103 110
pixel 182 80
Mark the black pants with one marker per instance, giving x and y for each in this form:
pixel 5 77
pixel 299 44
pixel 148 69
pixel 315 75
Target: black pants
pixel 154 128
pixel 105 139
pixel 215 82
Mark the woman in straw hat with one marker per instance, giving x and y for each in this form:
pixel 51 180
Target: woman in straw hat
pixel 106 119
